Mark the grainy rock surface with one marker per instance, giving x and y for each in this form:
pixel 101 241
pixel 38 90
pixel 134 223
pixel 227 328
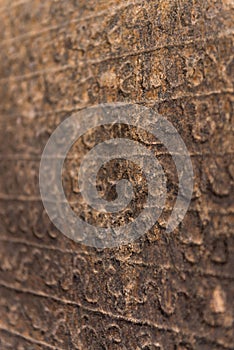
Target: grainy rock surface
pixel 164 291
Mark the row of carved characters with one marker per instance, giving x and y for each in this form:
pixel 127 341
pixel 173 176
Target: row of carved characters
pixel 206 241
pixel 211 233
pixel 59 325
pixel 8 341
pixel 37 226
pixel 118 30
pixel 212 131
pixel 122 287
pixel 213 179
pixel 21 177
pixel 26 220
pixel 188 72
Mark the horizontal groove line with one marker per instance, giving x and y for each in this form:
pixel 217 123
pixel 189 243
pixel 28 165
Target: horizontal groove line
pixel 31 34
pixel 25 157
pixel 13 5
pixel 29 339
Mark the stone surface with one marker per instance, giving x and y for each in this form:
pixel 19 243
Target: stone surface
pixel 164 291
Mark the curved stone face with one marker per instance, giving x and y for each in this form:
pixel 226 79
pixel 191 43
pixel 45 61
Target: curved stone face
pixel 164 291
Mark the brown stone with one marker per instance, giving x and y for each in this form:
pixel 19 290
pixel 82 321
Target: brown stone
pixel 165 291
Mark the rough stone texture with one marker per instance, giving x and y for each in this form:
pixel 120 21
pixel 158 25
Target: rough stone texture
pixel 164 291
